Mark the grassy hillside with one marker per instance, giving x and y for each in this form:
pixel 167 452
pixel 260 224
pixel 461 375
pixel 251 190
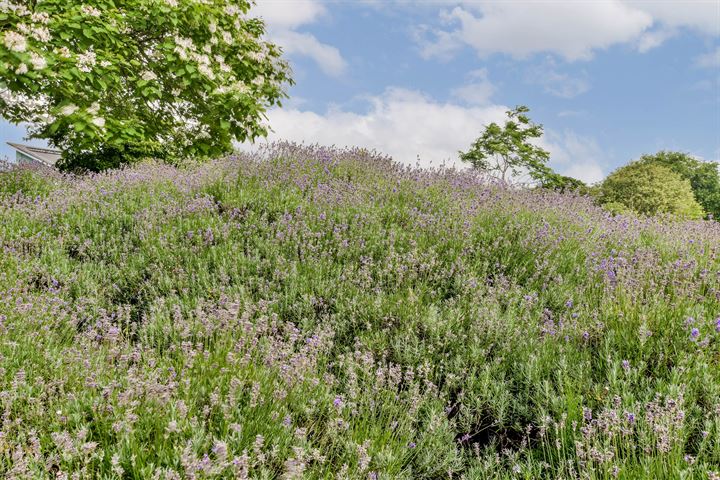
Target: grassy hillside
pixel 316 313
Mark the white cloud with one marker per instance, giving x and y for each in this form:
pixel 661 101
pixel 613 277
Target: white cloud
pixel 575 155
pixel 709 59
pixel 284 17
pixel 289 14
pixel 573 30
pixel 401 123
pixel 406 124
pixel 478 91
pixel 654 38
pixel 327 57
pixel 570 29
pixel 699 15
pixel 555 82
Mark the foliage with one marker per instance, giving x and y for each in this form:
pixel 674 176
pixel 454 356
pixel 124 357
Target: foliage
pixel 315 313
pixel 108 157
pixel 650 189
pixel 31 181
pixel 507 151
pixel 107 77
pixel 563 183
pixel 704 177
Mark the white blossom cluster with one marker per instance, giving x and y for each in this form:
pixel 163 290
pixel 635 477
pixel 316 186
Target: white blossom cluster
pixel 33 109
pixel 12 7
pixel 90 11
pixel 87 60
pixel 15 41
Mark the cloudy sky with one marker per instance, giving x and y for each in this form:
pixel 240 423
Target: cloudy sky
pixel 609 79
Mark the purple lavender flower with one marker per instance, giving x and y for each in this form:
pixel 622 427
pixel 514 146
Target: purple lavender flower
pixel 338 402
pixel 630 417
pixel 717 324
pixel 626 365
pixel 412 445
pixel 694 333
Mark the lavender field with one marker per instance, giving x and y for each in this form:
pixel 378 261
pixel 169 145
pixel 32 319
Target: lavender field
pixel 308 312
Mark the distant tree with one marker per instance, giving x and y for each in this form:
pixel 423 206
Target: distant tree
pixel 506 152
pixel 704 177
pixel 649 189
pixel 166 78
pixel 563 183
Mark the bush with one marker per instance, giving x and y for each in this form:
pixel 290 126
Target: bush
pixel 704 177
pixel 109 157
pixel 650 189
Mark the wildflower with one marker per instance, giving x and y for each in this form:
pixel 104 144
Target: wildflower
pixel 626 365
pixel 220 449
pixel 569 304
pixel 630 417
pixel 717 324
pixel 694 333
pixel 89 447
pixel 116 468
pixel 98 122
pixel 338 402
pixel 412 445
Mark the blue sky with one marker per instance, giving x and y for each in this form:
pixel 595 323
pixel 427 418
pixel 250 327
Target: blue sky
pixel 609 79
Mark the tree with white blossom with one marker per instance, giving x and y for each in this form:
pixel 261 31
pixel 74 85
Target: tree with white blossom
pixel 111 81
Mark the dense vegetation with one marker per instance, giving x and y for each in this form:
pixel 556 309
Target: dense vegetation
pixel 649 189
pixel 314 313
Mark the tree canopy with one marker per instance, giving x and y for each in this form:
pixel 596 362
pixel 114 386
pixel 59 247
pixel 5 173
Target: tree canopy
pixel 507 152
pixel 563 183
pixel 649 189
pixel 704 177
pixel 169 78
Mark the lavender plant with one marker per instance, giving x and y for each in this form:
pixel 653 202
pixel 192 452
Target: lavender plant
pixel 308 312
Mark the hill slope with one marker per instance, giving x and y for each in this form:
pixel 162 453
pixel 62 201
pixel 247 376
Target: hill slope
pixel 319 313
